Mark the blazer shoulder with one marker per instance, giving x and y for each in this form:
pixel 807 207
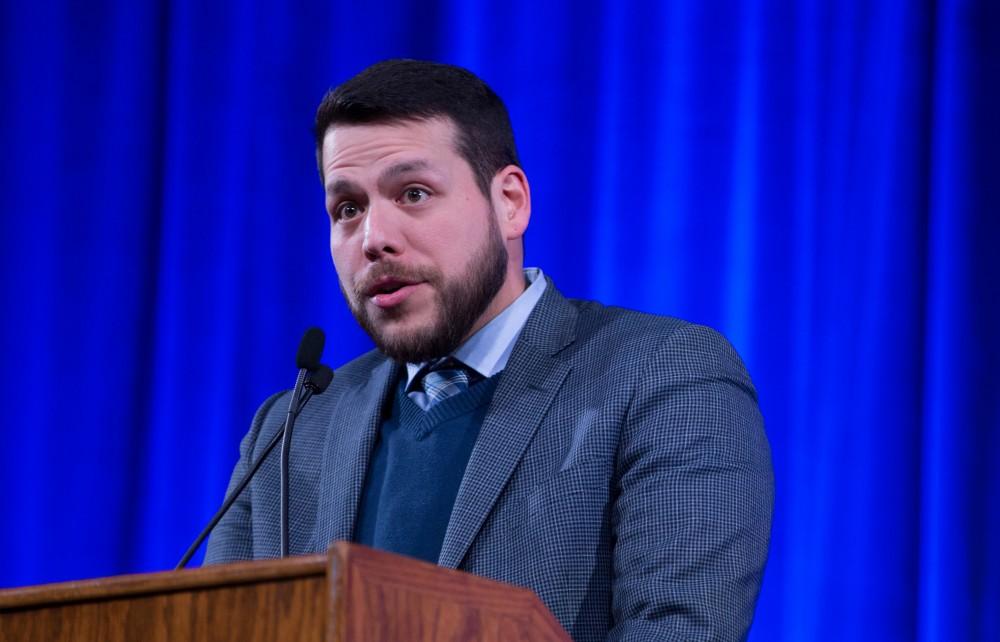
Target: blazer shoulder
pixel 596 320
pixel 348 379
pixel 632 333
pixel 350 376
pixel 360 368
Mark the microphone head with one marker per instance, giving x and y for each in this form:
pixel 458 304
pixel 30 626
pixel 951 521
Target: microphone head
pixel 310 349
pixel 320 379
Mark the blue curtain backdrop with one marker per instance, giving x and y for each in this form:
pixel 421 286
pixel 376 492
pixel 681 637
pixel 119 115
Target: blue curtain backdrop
pixel 818 180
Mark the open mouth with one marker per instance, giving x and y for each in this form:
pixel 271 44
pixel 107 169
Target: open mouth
pixel 389 289
pixel 387 286
pixel 389 292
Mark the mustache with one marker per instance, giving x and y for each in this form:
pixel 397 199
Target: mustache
pixel 396 271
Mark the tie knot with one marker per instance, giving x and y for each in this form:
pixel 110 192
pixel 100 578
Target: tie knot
pixel 443 379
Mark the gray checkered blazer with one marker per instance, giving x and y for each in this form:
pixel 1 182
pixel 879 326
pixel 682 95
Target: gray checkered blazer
pixel 622 473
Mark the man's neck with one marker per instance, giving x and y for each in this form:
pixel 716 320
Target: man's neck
pixel 513 286
pixel 487 350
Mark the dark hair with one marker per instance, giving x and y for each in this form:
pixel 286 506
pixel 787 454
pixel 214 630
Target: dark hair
pixel 400 90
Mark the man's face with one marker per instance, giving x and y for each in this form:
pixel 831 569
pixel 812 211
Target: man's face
pixel 416 244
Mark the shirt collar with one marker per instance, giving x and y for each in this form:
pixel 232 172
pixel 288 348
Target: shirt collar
pixel 488 350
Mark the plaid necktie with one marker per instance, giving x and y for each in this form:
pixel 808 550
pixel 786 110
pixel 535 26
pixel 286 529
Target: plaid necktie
pixel 444 379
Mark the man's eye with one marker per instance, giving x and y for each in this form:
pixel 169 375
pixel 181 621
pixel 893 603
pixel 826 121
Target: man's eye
pixel 346 210
pixel 415 195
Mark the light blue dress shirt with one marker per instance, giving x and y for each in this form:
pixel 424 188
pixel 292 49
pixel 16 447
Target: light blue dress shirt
pixel 488 350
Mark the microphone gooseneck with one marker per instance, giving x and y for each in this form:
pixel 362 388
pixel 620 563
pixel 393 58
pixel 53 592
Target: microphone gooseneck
pixel 310 382
pixel 310 352
pixel 244 482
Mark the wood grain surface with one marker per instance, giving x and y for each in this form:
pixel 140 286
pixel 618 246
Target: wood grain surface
pixel 352 594
pixel 387 597
pixel 254 601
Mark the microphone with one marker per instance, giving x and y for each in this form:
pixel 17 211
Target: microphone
pixel 316 383
pixel 319 380
pixel 309 354
pixel 310 349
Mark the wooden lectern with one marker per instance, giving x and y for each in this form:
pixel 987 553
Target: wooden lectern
pixel 351 594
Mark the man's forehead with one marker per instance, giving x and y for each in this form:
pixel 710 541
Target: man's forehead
pixel 342 182
pixel 435 130
pixel 395 147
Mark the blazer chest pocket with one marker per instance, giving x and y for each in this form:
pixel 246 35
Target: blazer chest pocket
pixel 580 489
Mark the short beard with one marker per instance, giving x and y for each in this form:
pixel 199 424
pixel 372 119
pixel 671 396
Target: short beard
pixel 459 303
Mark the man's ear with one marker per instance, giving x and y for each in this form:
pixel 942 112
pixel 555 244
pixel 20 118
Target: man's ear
pixel 512 201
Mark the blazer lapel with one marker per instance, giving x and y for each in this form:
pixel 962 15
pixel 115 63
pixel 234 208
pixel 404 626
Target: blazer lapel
pixel 528 385
pixel 351 433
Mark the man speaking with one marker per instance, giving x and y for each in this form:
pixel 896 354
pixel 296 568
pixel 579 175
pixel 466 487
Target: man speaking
pixel 612 461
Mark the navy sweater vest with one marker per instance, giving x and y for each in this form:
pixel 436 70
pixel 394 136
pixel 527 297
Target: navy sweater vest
pixel 416 468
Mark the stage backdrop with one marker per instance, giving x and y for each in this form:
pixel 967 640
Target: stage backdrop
pixel 818 180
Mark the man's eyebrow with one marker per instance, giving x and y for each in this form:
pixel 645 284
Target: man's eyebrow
pixel 341 186
pixel 401 168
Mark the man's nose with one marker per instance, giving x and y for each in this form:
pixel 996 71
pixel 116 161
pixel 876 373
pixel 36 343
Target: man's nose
pixel 382 233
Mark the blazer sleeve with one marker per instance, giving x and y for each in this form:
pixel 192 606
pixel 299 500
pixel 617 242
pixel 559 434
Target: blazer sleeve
pixel 232 539
pixel 692 519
